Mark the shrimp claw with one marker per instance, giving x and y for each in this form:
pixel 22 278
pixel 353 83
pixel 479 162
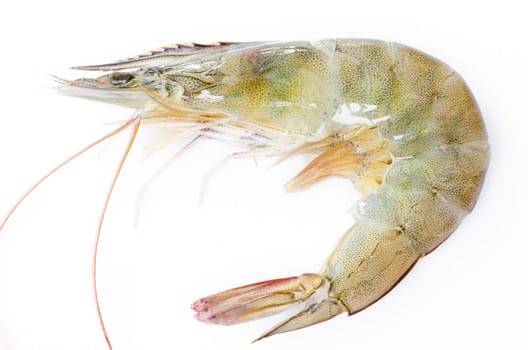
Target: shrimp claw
pixel 267 298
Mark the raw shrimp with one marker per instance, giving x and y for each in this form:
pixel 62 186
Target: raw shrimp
pixel 403 126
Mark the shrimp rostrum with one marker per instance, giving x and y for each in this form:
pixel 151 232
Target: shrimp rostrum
pixel 401 125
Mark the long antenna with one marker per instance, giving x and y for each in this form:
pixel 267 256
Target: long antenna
pixel 54 170
pixel 62 164
pixel 100 225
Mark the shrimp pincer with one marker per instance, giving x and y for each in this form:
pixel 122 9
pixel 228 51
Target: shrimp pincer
pixel 401 125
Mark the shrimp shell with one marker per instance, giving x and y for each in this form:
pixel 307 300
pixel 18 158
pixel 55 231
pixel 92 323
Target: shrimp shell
pixel 401 125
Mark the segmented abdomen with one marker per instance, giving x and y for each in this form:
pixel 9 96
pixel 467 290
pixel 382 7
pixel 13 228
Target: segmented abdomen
pixel 439 148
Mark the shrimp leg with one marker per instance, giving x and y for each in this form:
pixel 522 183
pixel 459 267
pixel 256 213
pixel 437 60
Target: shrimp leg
pixel 141 194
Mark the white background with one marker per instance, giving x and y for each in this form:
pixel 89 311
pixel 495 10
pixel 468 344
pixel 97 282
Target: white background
pixel 471 292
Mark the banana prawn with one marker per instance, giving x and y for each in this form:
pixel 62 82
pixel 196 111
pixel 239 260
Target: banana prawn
pixel 401 125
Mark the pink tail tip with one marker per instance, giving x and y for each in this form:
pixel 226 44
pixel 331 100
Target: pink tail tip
pixel 255 300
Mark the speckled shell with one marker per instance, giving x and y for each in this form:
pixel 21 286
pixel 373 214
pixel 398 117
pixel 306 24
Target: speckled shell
pixel 281 95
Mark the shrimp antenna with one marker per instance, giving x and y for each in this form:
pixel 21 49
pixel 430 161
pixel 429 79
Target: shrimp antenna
pixel 134 120
pixel 59 166
pixel 133 135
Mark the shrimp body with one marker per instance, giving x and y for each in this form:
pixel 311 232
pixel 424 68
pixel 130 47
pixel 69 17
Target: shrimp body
pixel 403 126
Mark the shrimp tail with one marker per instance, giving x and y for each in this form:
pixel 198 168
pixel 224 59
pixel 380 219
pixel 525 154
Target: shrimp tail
pixel 310 315
pixel 267 298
